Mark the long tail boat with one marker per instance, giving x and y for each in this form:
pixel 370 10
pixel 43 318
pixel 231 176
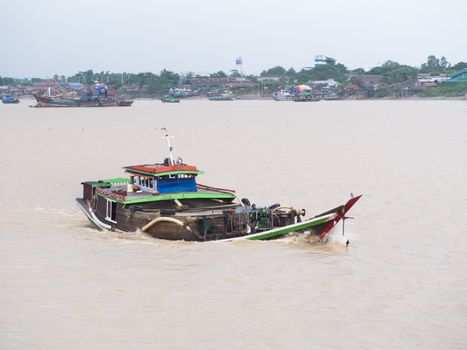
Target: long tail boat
pixel 165 201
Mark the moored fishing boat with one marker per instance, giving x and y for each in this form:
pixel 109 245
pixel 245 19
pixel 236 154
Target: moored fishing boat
pixel 165 201
pixel 304 93
pixel 125 103
pixel 73 101
pixel 170 99
pixel 221 96
pixel 97 96
pixel 282 95
pixel 8 98
pixel 303 97
pixel 332 96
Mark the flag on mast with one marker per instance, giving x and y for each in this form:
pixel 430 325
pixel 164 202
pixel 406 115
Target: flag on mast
pixel 238 61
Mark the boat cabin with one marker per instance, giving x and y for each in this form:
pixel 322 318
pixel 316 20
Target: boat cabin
pixel 152 191
pixel 163 178
pixel 158 185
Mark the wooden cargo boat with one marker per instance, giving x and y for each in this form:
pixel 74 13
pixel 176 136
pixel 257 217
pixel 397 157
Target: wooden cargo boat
pixel 165 201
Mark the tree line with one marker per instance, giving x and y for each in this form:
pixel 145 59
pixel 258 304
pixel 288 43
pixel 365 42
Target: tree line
pixel 391 72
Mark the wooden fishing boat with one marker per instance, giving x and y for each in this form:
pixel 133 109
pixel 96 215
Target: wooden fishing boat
pixel 170 99
pixel 7 98
pixel 306 97
pixel 98 97
pixel 73 101
pixel 282 95
pixel 165 201
pixel 125 103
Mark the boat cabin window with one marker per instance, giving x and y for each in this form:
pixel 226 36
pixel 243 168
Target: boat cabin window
pixel 146 184
pixel 167 183
pixel 110 210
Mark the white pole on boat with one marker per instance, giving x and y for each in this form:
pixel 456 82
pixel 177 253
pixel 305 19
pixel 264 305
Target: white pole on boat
pixel 167 137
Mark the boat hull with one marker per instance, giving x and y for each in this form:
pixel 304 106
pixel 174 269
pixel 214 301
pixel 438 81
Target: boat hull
pixel 9 99
pixel 282 96
pixel 222 97
pixel 171 225
pixel 306 98
pixel 170 99
pixel 43 101
pixel 125 103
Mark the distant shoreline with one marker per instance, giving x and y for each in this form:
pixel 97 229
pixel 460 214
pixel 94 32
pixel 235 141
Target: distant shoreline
pixel 269 98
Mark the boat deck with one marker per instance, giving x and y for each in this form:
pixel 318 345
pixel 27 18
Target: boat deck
pixel 144 196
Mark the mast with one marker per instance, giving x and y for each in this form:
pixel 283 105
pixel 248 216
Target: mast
pixel 167 137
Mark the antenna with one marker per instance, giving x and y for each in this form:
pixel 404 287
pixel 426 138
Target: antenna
pixel 167 137
pixel 239 64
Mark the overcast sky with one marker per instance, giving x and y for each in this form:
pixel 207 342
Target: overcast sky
pixel 40 38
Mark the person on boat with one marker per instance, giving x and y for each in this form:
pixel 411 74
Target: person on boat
pixel 253 218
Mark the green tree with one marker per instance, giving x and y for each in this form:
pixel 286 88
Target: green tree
pixel 169 78
pixel 358 71
pixel 269 85
pixel 329 70
pixel 399 75
pixel 276 71
pixel 76 78
pixel 432 66
pixel 235 74
pixel 330 61
pixel 185 78
pixel 291 73
pixel 444 63
pixel 384 68
pixel 116 79
pixel 341 68
pixel 7 81
pixel 322 72
pixel 458 66
pixel 219 74
pixel 84 77
pixel 252 78
pixel 391 64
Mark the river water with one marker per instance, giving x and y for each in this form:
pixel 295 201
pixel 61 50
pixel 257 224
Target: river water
pixel 401 283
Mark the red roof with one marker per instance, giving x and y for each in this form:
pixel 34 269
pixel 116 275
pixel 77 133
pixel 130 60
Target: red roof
pixel 159 168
